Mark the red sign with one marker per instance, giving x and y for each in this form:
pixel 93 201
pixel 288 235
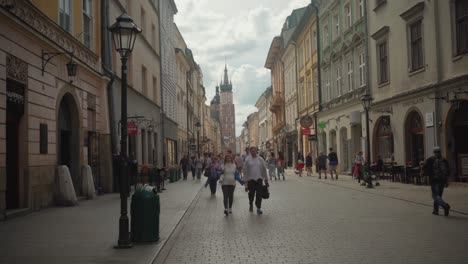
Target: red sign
pixel 132 128
pixel 306 131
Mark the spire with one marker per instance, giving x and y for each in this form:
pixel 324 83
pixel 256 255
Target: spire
pixel 226 79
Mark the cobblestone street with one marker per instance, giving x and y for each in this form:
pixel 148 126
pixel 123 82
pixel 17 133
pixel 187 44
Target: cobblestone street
pixel 307 220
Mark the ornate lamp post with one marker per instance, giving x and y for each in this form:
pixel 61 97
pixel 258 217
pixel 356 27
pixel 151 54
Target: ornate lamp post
pixel 366 103
pixel 197 127
pixel 124 33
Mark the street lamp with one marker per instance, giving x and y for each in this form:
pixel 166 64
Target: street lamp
pixel 197 127
pixel 366 103
pixel 124 33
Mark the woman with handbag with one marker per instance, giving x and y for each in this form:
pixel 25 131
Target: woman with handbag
pixel 228 183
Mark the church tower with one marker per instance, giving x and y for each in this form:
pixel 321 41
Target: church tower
pixel 227 114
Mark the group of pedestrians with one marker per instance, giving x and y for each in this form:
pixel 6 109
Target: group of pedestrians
pixel 321 164
pixel 276 166
pixel 249 170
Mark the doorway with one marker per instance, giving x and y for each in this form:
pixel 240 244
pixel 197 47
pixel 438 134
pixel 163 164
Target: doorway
pixel 68 139
pixel 457 143
pixel 15 110
pixel 414 139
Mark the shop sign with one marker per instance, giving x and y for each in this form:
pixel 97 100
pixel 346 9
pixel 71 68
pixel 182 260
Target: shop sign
pixel 312 138
pixel 306 121
pixel 132 128
pixel 322 125
pixel 429 119
pixel 306 131
pixel 193 147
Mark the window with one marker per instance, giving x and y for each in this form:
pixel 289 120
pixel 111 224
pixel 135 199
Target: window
pixel 361 8
pixel 301 96
pixel 350 78
pixel 301 57
pixel 382 56
pixel 461 28
pixel 314 41
pixel 327 86
pixel 65 11
pixel 362 69
pixel 153 36
pixel 326 38
pixel 155 89
pixel 144 86
pixel 87 23
pixel 338 81
pixel 349 21
pixel 416 48
pixel 336 20
pixel 307 49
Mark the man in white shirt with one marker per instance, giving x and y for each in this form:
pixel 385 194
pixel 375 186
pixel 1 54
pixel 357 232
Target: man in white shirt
pixel 254 174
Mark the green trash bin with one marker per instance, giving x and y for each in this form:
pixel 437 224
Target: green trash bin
pixel 144 211
pixel 172 177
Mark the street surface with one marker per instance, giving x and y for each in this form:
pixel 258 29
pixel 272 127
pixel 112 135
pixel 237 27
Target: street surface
pixel 307 220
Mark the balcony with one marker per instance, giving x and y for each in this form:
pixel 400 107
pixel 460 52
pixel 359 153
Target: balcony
pixel 277 102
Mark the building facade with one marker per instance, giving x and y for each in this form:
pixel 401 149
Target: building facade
pixel 305 36
pixel 425 103
pixel 49 116
pixel 265 124
pixel 343 55
pixel 168 82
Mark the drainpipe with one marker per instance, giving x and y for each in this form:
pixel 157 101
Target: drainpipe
pixel 319 75
pixel 164 161
pixel 368 86
pixel 438 113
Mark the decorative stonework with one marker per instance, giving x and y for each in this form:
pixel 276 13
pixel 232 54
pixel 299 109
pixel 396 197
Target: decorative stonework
pixel 16 69
pixel 33 17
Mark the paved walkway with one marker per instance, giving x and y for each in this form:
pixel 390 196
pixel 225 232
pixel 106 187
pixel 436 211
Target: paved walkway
pixel 87 233
pixel 307 220
pixel 456 194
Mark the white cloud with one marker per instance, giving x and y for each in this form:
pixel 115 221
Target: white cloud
pixel 241 31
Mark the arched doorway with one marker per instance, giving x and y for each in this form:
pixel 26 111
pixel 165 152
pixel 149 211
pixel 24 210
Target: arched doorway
pixel 323 142
pixel 383 139
pixel 68 138
pixel 457 141
pixel 333 140
pixel 344 150
pixel 414 138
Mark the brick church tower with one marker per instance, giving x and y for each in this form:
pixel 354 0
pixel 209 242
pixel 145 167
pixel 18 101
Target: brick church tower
pixel 223 109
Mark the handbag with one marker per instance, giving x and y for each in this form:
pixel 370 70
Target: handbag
pixel 265 192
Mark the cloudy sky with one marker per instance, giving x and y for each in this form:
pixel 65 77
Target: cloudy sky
pixel 241 31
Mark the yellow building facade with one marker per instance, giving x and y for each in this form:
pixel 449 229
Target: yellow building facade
pixel 49 117
pixel 305 38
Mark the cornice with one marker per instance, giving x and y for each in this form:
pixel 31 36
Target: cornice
pixel 32 17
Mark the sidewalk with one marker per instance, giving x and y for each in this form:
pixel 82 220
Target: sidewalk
pixel 456 194
pixel 88 233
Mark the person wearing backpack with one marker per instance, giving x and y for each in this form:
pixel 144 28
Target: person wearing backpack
pixel 438 170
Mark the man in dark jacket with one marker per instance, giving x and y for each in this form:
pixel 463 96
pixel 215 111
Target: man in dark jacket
pixel 438 170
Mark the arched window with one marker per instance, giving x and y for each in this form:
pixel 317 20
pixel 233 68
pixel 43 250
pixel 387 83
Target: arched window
pixel 384 139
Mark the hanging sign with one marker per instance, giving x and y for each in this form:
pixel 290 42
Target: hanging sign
pixel 312 138
pixel 132 128
pixel 306 121
pixel 306 131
